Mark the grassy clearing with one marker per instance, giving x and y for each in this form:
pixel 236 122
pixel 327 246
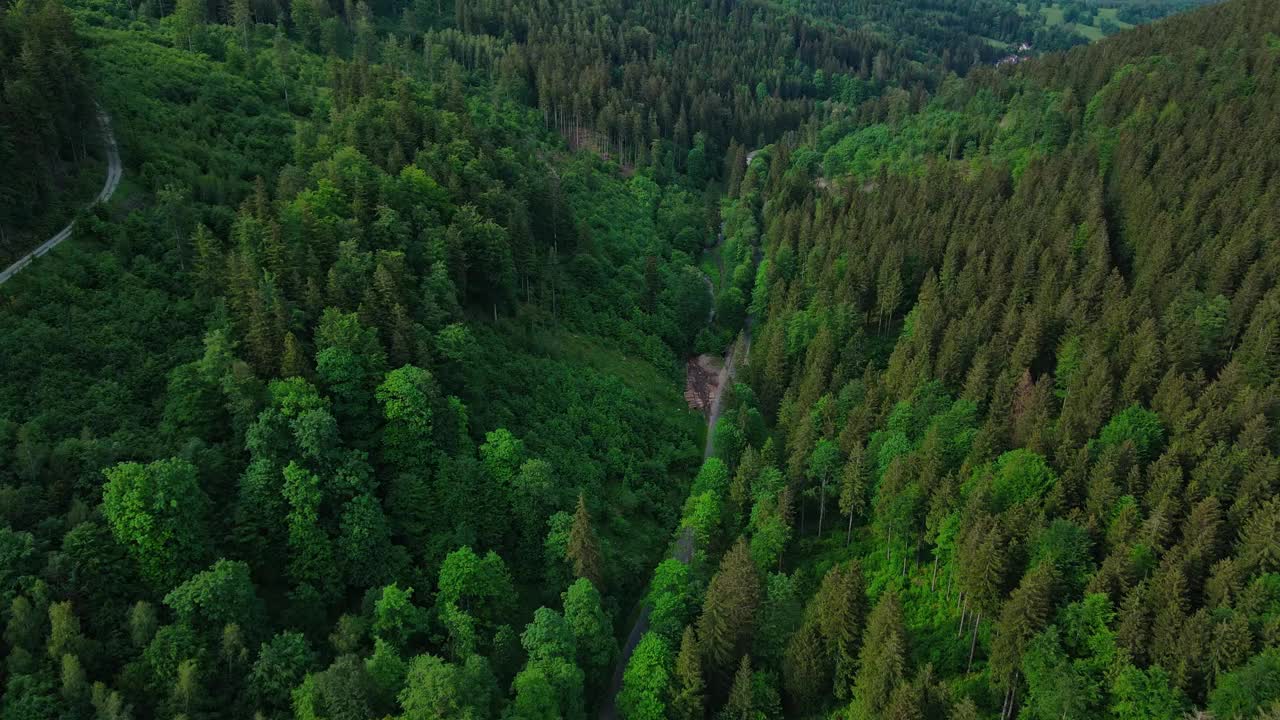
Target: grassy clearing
pixel 1092 32
pixel 636 373
pixel 1054 16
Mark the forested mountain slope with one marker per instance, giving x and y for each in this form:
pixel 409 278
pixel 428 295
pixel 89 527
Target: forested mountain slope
pixel 730 70
pixel 361 399
pixel 48 125
pixel 361 369
pixel 707 79
pixel 1020 354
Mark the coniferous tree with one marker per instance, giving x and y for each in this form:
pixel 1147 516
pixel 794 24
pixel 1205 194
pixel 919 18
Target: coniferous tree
pixel 741 702
pixel 806 673
pixel 583 550
pixel 728 613
pixel 838 610
pixel 687 696
pixel 882 664
pixel 1023 615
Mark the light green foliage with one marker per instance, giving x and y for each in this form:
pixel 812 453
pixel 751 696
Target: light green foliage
pixel 1135 425
pixel 395 617
pixel 769 534
pixel 503 454
pixel 548 637
pixel 142 623
pixel 1070 354
pixel 713 476
pixel 551 683
pixel 1016 477
pixel 825 461
pixel 350 362
pixel 555 548
pixel 769 483
pixel 478 585
pixel 644 694
pixel 1056 689
pixel 437 690
pixel 431 690
pixel 158 511
pixel 215 597
pixel 311 555
pixel 407 395
pixel 704 514
pixel 461 628
pixel 385 668
pixel 591 628
pixel 1243 692
pixel 65 636
pixel 550 690
pixel 888 447
pixel 672 599
pixel 1145 695
pixel 307 413
pixel 1066 666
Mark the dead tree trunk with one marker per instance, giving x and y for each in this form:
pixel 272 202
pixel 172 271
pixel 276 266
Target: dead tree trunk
pixel 974 642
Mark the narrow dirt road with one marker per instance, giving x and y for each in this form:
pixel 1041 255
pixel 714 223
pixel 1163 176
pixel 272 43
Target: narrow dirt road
pixel 686 543
pixel 114 172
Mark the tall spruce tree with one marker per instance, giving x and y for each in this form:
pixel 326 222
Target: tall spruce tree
pixel 687 696
pixel 728 613
pixel 882 664
pixel 583 550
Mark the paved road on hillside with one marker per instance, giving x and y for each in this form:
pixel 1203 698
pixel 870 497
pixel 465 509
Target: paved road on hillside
pixel 686 544
pixel 114 171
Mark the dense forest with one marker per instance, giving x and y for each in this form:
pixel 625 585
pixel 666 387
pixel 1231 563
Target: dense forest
pixel 48 126
pixel 362 397
pixel 360 371
pixel 1018 352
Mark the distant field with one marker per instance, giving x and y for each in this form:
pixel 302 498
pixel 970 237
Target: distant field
pixel 1054 15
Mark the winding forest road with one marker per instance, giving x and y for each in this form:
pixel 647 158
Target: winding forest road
pixel 114 172
pixel 686 543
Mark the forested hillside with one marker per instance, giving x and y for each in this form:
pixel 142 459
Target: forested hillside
pixel 361 399
pixel 1019 355
pixel 361 370
pixel 48 126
